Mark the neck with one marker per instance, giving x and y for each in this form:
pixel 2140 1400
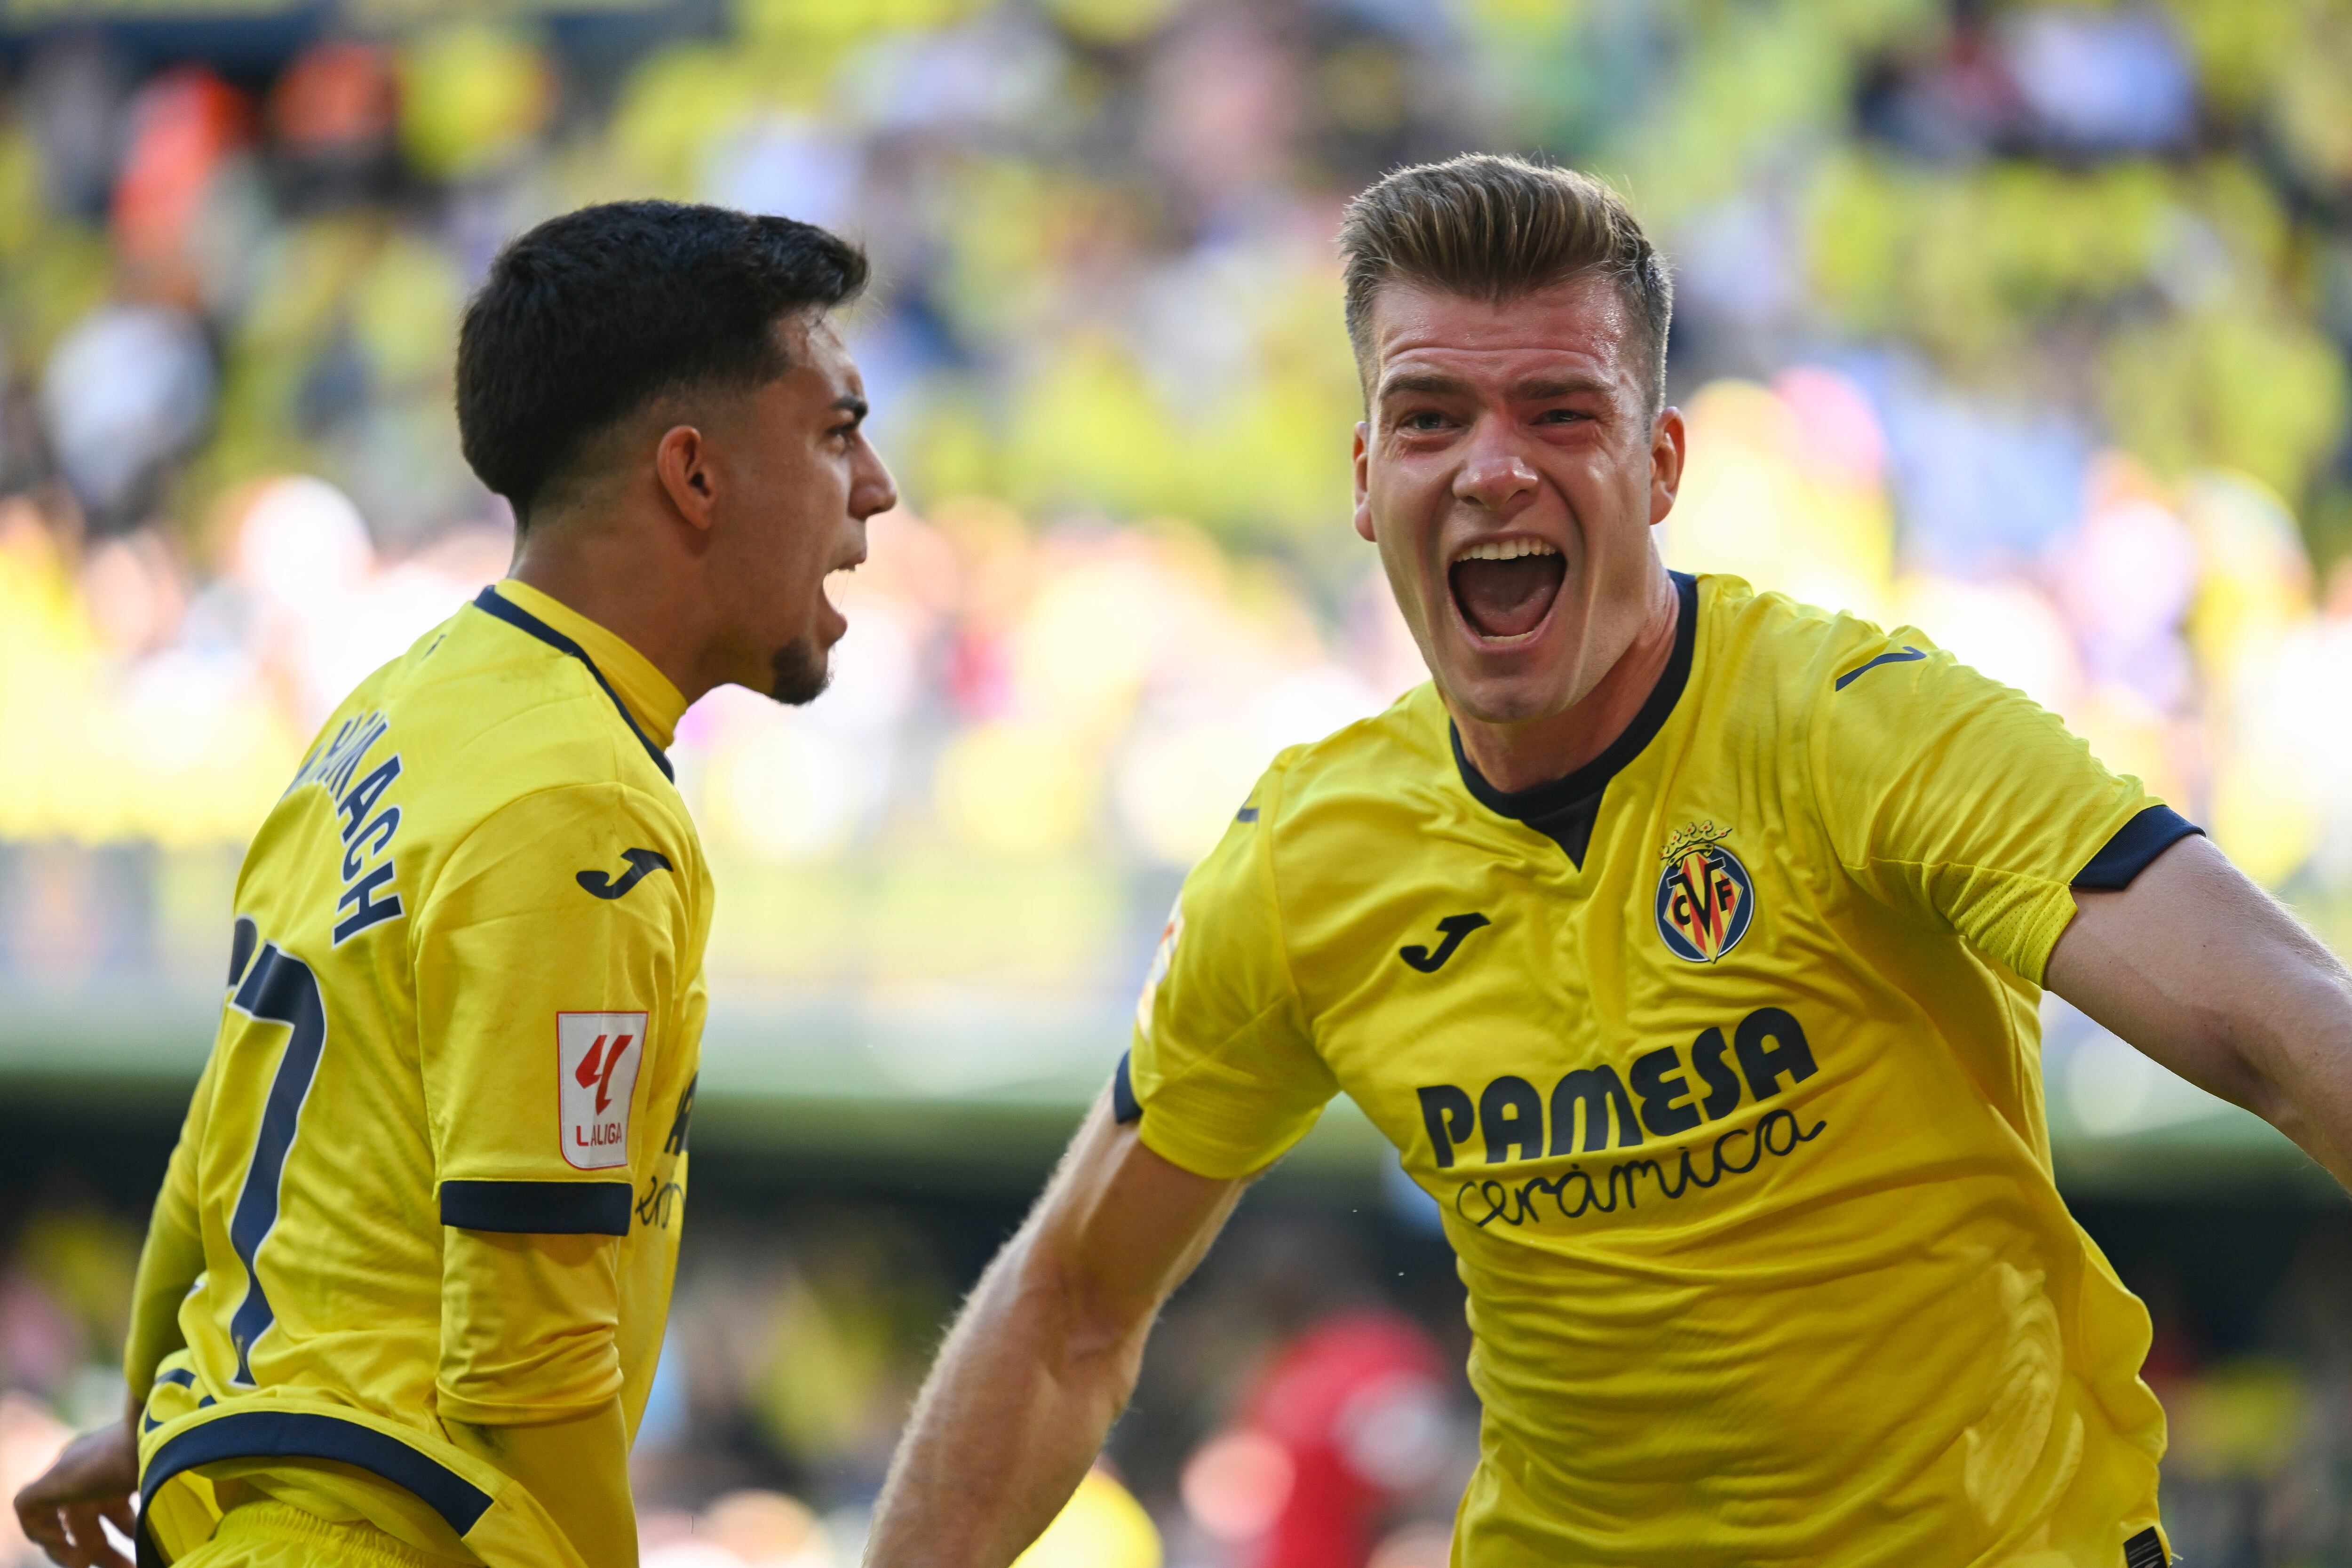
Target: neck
pixel 1514 757
pixel 610 575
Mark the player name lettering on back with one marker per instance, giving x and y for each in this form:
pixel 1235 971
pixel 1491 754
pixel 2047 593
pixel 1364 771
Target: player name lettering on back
pixel 1676 1091
pixel 368 896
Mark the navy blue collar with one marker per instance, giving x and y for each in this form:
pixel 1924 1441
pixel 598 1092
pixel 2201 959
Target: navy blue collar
pixel 1564 809
pixel 490 602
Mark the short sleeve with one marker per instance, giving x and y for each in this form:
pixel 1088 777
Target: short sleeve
pixel 1222 1066
pixel 548 965
pixel 1961 801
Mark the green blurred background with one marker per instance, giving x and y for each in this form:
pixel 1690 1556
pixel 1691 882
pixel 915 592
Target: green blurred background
pixel 2026 324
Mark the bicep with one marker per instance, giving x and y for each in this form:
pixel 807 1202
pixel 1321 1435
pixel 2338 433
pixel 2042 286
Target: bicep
pixel 2200 969
pixel 1120 1226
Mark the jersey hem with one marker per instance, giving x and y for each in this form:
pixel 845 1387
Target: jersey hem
pixel 311 1435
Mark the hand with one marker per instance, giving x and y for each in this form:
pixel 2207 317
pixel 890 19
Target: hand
pixel 92 1480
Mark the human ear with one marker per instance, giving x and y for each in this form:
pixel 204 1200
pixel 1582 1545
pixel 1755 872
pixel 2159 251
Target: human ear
pixel 1668 446
pixel 682 462
pixel 1363 485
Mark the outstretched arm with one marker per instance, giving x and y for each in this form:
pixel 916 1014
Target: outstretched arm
pixel 1044 1353
pixel 2204 972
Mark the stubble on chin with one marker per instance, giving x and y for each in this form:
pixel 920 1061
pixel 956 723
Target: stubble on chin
pixel 801 672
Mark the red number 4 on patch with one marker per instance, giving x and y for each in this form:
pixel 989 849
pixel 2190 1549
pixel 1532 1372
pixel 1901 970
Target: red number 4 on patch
pixel 596 1058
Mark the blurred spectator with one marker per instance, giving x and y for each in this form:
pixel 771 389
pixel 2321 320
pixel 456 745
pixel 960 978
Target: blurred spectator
pixel 1352 1420
pixel 125 392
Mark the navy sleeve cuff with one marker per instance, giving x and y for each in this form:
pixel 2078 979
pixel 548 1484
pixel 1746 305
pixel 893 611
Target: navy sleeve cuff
pixel 538 1208
pixel 1124 1107
pixel 2137 842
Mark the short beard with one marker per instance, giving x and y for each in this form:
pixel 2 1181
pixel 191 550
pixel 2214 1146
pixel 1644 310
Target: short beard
pixel 802 673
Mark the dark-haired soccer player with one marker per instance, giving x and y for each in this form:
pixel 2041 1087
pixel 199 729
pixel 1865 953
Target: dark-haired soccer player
pixel 1687 944
pixel 404 1286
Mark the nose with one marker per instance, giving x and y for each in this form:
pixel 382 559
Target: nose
pixel 1494 476
pixel 872 491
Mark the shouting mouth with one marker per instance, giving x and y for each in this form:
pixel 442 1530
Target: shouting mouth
pixel 1505 587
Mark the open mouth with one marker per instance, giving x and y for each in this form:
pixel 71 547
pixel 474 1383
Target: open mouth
pixel 1504 587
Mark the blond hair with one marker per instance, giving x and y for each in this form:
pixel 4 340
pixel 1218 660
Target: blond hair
pixel 1492 227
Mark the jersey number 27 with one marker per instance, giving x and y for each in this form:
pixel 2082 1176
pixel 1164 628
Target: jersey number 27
pixel 273 986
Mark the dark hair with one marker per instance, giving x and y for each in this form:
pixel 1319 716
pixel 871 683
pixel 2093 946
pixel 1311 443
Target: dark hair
pixel 590 315
pixel 1494 227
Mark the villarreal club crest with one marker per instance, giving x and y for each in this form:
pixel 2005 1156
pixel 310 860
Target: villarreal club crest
pixel 1705 898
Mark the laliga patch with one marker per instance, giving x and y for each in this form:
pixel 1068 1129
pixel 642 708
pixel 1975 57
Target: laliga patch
pixel 1705 898
pixel 596 1060
pixel 1160 961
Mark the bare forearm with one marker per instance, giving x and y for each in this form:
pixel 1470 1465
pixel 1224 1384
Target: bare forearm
pixel 1011 1418
pixel 1044 1354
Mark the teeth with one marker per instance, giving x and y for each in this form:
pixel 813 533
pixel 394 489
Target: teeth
pixel 1506 550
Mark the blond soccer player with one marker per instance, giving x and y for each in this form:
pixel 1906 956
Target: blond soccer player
pixel 1687 943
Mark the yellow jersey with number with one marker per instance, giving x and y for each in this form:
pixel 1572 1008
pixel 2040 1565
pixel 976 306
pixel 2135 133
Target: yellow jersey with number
pixel 1720 1057
pixel 433 1168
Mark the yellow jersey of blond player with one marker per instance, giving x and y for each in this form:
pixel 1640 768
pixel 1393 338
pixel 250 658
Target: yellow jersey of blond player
pixel 463 1008
pixel 1720 1056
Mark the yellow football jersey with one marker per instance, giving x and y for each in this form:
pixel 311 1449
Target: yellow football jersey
pixel 1720 1057
pixel 464 1006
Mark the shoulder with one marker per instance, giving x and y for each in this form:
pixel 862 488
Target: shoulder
pixel 1785 669
pixel 1759 638
pixel 1359 762
pixel 552 844
pixel 511 752
pixel 1309 813
pixel 499 715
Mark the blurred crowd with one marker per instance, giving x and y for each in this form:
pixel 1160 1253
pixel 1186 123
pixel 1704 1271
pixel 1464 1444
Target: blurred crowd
pixel 2025 323
pixel 1302 1406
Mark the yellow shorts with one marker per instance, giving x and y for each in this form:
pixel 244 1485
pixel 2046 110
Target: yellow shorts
pixel 274 1536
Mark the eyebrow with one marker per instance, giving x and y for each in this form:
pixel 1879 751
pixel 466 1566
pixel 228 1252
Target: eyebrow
pixel 1428 381
pixel 851 405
